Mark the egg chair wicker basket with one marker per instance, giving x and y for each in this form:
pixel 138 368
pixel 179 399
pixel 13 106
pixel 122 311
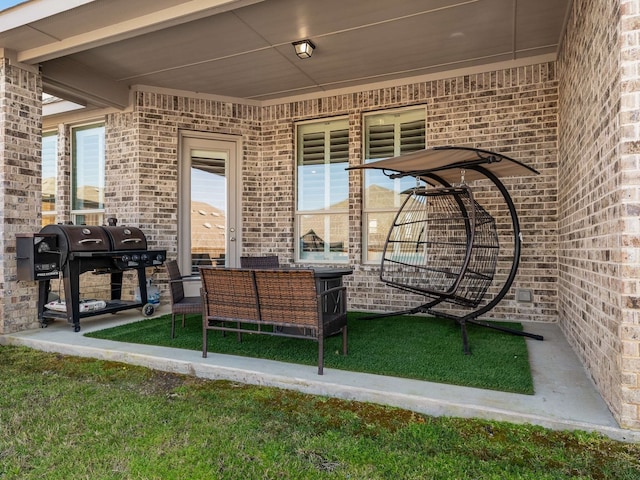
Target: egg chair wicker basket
pixel 442 244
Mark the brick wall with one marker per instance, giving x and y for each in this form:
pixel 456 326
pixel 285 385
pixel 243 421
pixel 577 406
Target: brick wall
pixel 20 186
pixel 512 111
pixel 143 148
pixel 63 180
pixel 598 198
pixel 629 209
pixel 141 187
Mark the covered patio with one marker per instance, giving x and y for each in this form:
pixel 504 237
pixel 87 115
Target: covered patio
pixel 149 91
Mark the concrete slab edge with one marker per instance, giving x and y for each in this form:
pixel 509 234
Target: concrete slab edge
pixel 419 404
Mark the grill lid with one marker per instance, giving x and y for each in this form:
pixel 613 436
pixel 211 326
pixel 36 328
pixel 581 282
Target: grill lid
pixel 79 238
pixel 91 238
pixel 126 238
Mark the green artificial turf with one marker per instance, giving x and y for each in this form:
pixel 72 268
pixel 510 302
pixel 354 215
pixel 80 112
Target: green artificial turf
pixel 417 347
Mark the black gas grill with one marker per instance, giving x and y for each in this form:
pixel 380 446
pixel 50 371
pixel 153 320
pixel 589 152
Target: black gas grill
pixel 75 249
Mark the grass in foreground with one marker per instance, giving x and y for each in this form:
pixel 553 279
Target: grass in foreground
pixel 403 346
pixel 68 417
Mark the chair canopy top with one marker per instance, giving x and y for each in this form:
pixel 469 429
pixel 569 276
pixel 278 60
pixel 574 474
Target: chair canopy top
pixel 446 163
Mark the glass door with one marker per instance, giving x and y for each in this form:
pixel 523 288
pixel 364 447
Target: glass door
pixel 209 223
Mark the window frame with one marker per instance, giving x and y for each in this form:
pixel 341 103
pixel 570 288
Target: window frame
pixel 339 123
pixel 412 113
pixel 78 212
pixel 52 215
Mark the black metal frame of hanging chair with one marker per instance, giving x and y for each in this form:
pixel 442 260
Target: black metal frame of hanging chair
pixel 443 244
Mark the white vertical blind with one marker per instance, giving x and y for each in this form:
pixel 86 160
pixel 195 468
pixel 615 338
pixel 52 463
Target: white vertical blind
pixel 322 191
pixel 387 134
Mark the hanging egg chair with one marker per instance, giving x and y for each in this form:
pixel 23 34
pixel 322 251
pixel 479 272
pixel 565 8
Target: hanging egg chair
pixel 443 244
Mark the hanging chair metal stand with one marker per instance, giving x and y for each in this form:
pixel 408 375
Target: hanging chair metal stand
pixel 444 245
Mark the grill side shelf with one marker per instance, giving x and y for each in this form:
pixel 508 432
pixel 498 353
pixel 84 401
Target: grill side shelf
pixel 112 307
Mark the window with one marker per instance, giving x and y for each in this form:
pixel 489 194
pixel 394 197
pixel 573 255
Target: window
pixel 88 170
pixel 49 177
pixel 322 208
pixel 387 134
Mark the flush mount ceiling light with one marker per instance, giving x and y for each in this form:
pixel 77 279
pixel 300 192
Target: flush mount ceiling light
pixel 304 48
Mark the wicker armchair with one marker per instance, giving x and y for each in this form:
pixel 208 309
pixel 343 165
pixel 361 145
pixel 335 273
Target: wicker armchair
pixel 266 261
pixel 180 305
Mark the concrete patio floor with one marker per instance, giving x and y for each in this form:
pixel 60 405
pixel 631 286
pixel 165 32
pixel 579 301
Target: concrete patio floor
pixel 565 397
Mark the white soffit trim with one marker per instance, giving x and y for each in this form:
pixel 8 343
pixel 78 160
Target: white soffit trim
pixel 34 10
pixel 62 106
pixel 133 27
pixel 76 117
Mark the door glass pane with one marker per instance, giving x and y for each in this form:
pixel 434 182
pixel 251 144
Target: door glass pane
pixel 208 208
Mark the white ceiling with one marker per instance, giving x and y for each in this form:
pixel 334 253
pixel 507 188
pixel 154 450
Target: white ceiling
pixel 94 52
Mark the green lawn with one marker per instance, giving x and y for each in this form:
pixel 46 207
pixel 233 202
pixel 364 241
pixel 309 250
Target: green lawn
pixel 67 418
pixel 416 347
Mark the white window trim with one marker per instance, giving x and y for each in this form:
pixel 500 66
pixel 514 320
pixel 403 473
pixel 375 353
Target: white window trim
pixel 100 211
pixel 52 213
pixel 298 214
pixel 392 209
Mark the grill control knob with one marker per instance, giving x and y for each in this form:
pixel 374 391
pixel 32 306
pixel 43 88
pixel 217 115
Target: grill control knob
pixel 126 258
pixel 135 257
pixel 160 257
pixel 144 257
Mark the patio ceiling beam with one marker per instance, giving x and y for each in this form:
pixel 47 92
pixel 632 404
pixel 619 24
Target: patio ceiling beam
pixel 151 22
pixel 70 80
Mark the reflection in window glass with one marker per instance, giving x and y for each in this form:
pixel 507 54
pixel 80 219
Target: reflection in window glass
pixel 88 174
pixel 322 191
pixel 49 177
pixel 323 237
pixel 208 209
pixel 377 228
pixel 387 135
pixel 88 218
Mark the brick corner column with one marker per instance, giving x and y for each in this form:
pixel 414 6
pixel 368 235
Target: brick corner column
pixel 20 185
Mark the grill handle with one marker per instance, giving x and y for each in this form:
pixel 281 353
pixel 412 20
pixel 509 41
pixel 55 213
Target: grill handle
pixel 90 240
pixel 127 240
